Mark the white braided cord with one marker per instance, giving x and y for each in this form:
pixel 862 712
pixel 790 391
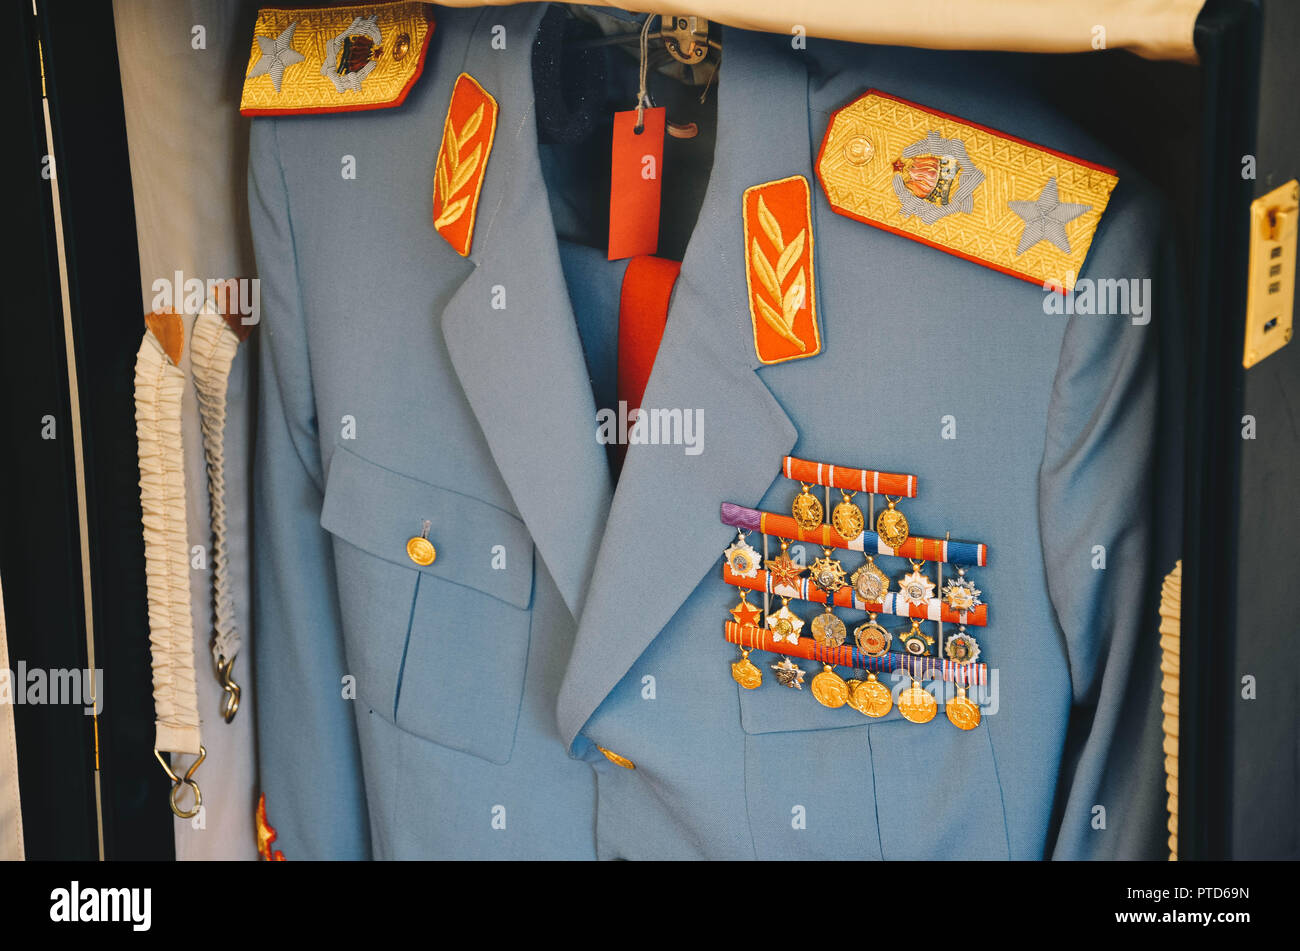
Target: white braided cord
pixel 211 354
pixel 159 389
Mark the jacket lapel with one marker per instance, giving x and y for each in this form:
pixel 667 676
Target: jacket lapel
pixel 663 534
pixel 521 364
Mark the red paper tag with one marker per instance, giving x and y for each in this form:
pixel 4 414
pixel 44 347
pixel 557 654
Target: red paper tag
pixel 635 170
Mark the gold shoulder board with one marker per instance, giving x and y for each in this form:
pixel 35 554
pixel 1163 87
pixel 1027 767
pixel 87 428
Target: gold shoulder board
pixel 305 61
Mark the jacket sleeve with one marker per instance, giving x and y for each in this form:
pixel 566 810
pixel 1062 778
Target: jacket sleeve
pixel 308 754
pixel 1104 530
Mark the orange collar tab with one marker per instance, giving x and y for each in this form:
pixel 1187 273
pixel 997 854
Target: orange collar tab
pixel 1019 208
pixel 467 138
pixel 306 61
pixel 779 269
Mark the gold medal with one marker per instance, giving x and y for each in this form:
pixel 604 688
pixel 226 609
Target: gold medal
pixel 916 641
pixel 827 573
pixel 829 688
pixel 870 697
pixel 828 630
pixel 916 705
pixel 872 639
pixel 963 712
pixel 745 673
pixel 807 509
pixel 870 582
pixel 847 517
pixel 891 525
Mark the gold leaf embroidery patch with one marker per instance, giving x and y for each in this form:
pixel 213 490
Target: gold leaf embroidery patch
pixel 455 171
pixel 467 136
pixel 779 269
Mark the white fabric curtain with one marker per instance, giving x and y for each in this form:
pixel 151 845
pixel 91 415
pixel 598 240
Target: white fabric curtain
pixel 1156 29
pixel 182 69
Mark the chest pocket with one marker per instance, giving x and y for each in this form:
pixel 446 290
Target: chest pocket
pixel 897 790
pixel 438 649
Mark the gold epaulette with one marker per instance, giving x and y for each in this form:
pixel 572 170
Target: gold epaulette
pixel 991 198
pixel 306 61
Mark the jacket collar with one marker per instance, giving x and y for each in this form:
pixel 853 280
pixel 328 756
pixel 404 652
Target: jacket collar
pixel 523 372
pixel 663 534
pixel 521 365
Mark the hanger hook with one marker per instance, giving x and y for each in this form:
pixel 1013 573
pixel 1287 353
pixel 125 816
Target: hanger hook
pixel 230 703
pixel 179 784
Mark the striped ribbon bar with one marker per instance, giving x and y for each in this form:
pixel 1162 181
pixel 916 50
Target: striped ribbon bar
pixel 920 668
pixel 933 610
pixel 851 480
pixel 916 547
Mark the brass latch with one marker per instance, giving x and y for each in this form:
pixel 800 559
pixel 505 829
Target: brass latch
pixel 1270 298
pixel 685 37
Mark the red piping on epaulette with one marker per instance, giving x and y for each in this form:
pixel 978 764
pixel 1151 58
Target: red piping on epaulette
pixel 367 107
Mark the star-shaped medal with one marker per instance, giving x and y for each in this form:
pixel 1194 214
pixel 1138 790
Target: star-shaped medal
pixel 789 674
pixel 870 582
pixel 1045 218
pixel 745 613
pixel 784 571
pixel 785 625
pixel 960 594
pixel 742 558
pixel 827 573
pixel 277 54
pixel 962 649
pixel 916 641
pixel 916 588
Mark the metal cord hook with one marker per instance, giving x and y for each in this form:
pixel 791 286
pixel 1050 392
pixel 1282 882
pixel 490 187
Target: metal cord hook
pixel 178 784
pixel 230 703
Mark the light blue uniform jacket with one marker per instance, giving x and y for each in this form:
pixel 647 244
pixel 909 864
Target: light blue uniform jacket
pixel 563 611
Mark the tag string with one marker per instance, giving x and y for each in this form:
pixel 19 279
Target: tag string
pixel 642 95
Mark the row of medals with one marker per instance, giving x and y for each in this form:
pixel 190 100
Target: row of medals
pixel 869 697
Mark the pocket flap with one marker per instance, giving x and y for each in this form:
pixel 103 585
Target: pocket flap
pixel 379 510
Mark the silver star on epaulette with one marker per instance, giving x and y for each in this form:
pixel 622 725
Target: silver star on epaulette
pixel 277 53
pixel 1045 219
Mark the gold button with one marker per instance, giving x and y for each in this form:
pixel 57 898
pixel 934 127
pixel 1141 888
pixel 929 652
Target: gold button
pixel 858 150
pixel 616 759
pixel 421 550
pixel 401 47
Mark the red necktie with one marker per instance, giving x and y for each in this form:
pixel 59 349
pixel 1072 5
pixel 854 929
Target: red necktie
pixel 642 314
